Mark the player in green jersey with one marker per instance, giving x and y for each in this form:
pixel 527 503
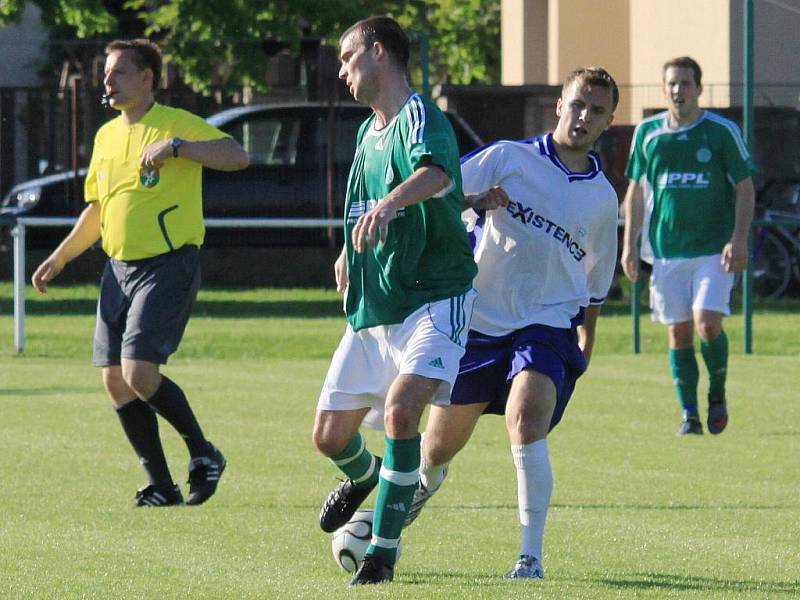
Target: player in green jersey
pixel 696 172
pixel 406 271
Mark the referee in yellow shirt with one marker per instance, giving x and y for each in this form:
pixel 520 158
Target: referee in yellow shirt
pixel 144 198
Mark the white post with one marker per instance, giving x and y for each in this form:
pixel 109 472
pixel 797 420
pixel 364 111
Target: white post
pixel 19 252
pixel 19 287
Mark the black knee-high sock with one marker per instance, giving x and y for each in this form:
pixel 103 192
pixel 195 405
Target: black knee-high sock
pixel 170 402
pixel 141 426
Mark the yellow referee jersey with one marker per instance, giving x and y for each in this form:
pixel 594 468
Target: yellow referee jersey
pixel 146 213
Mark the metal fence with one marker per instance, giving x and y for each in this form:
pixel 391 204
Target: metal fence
pixel 635 99
pixel 20 279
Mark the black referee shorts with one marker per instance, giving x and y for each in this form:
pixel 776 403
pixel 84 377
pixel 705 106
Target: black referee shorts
pixel 144 306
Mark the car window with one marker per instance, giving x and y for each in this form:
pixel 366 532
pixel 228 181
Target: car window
pixel 347 124
pixel 270 141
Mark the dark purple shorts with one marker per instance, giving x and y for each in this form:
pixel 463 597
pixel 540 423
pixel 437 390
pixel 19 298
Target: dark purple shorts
pixel 490 363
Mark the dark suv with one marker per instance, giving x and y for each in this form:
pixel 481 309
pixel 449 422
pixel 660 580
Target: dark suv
pixel 300 156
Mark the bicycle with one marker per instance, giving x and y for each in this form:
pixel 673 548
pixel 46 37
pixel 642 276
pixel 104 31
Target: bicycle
pixel 775 259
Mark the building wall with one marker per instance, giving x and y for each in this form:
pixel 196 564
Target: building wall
pixel 590 33
pixel 524 41
pixel 776 50
pixel 664 30
pixel 22 47
pixel 633 38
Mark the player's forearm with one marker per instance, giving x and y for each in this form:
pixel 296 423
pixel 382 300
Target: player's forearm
pixel 425 183
pixel 85 232
pixel 470 201
pixel 745 206
pixel 224 154
pixel 634 214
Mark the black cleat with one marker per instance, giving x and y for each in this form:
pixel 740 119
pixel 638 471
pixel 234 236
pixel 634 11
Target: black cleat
pixel 690 426
pixel 373 570
pixel 342 503
pixel 158 495
pixel 204 474
pixel 717 414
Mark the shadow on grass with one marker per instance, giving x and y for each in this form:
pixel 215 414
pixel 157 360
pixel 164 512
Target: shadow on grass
pixel 38 305
pixel 480 579
pixel 27 392
pixel 667 581
pixel 782 306
pixel 232 309
pixel 591 506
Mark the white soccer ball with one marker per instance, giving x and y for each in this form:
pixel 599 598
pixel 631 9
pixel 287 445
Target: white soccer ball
pixel 350 541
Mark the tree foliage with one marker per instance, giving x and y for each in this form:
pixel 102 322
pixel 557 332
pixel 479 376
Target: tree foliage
pixel 221 43
pixel 464 37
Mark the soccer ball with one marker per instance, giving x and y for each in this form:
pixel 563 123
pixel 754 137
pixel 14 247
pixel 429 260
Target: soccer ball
pixel 350 541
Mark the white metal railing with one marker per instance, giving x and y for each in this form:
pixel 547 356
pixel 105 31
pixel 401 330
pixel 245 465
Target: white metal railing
pixel 19 251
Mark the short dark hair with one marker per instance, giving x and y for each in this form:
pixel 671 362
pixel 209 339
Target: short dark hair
pixel 385 31
pixel 594 76
pixel 684 62
pixel 146 55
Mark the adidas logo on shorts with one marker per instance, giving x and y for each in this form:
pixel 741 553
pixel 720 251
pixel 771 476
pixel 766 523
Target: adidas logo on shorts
pixel 436 362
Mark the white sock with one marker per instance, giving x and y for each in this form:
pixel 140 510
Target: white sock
pixel 534 488
pixel 431 476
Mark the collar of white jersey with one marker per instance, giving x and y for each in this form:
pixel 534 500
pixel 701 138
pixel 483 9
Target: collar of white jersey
pixel 547 148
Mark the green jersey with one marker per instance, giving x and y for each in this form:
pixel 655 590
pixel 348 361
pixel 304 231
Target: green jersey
pixel 689 175
pixel 426 255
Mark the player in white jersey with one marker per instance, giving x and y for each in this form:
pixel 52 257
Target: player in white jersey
pixel 546 258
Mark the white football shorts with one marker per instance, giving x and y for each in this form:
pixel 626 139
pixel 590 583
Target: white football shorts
pixel 430 343
pixel 679 286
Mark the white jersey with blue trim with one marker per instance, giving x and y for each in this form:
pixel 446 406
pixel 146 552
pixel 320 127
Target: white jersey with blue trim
pixel 552 251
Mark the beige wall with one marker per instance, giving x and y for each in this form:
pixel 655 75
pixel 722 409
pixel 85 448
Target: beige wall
pixel 776 52
pixel 544 39
pixel 524 41
pixel 663 30
pixel 583 35
pixel 590 33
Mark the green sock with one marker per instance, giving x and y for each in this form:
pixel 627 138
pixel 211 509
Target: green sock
pixel 398 482
pixel 357 463
pixel 715 355
pixel 685 375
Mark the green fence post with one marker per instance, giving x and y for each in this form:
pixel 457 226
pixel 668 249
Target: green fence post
pixel 635 315
pixel 747 297
pixel 748 126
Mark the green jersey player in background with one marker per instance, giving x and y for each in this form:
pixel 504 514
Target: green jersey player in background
pixel 696 172
pixel 406 271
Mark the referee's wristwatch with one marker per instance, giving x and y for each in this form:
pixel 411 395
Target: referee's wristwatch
pixel 176 143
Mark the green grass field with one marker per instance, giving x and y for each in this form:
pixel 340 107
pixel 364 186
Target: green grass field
pixel 636 513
